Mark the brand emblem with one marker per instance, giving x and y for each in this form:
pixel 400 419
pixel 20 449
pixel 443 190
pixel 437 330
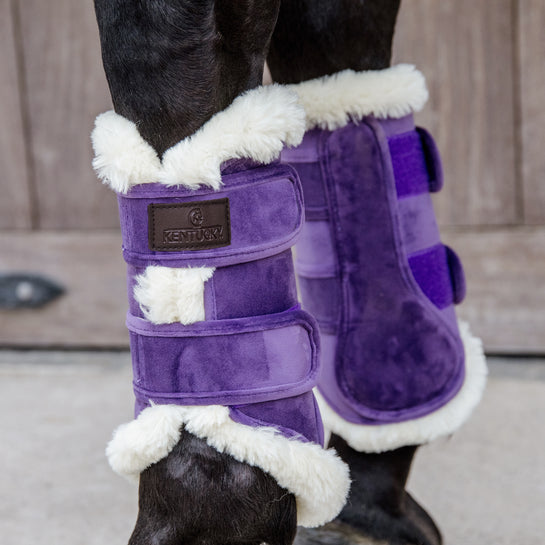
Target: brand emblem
pixel 189 226
pixel 195 217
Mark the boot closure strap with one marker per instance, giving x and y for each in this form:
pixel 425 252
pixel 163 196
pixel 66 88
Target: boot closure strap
pixel 418 171
pixel 439 273
pixel 432 159
pixel 257 213
pixel 225 362
pixel 416 163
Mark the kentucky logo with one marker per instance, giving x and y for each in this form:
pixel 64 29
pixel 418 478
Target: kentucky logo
pixel 175 236
pixel 189 226
pixel 195 217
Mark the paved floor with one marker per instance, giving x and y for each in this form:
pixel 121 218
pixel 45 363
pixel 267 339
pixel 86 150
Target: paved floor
pixel 486 485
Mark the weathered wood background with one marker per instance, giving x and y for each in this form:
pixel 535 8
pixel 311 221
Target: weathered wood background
pixel 486 74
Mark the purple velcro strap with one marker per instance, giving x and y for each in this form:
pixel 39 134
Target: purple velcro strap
pixel 457 276
pixel 225 362
pixel 409 164
pixel 256 213
pixel 433 160
pixel 416 163
pixel 439 273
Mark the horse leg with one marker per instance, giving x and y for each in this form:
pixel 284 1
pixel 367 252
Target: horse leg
pixel 314 38
pixel 378 357
pixel 171 65
pixel 175 67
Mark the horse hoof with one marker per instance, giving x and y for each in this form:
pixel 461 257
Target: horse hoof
pixel 415 528
pixel 333 533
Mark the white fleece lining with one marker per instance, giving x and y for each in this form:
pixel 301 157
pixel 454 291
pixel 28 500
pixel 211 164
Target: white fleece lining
pixel 167 295
pixel 317 477
pixel 442 422
pixel 256 126
pixel 332 101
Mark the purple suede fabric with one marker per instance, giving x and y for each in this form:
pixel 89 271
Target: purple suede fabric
pixel 265 210
pixel 297 417
pixel 408 164
pixel 256 351
pixel 259 287
pixel 415 161
pixel 263 358
pixel 433 160
pixel 417 223
pixel 323 298
pixel 457 276
pixel 374 273
pixel 430 270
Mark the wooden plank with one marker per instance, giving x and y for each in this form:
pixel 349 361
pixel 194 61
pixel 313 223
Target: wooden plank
pixel 15 208
pixel 92 311
pixel 532 85
pixel 505 270
pixel 465 49
pixel 67 89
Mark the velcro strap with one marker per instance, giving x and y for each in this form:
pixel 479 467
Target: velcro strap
pixel 439 273
pixel 433 160
pixel 457 275
pixel 416 163
pixel 255 214
pixel 225 362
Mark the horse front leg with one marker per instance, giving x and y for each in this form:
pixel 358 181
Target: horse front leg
pixel 224 443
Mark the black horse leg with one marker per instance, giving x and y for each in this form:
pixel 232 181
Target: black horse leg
pixel 315 38
pixel 378 504
pixel 171 65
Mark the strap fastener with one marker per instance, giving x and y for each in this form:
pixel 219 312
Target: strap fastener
pixel 257 213
pixel 225 362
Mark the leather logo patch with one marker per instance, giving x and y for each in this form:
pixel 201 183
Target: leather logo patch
pixel 197 225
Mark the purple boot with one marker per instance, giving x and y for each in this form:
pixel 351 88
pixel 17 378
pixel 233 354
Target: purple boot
pixel 398 369
pixel 219 343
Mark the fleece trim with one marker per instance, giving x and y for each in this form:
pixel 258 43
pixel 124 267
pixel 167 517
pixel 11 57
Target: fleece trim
pixel 317 477
pixel 332 101
pixel 167 295
pixel 440 423
pixel 255 126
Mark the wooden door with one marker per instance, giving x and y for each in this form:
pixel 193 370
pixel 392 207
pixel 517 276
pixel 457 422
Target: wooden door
pixel 483 62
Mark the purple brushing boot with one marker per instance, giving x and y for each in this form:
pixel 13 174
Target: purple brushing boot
pixel 219 344
pixel 398 370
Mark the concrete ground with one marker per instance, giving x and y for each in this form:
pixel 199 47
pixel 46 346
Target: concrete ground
pixel 486 485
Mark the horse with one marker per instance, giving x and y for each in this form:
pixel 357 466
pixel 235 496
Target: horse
pixel 171 65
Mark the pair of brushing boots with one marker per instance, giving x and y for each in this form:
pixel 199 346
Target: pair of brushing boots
pixel 221 346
